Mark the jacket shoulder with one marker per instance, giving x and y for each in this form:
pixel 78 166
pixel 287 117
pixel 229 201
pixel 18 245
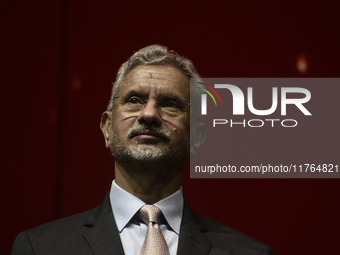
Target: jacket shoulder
pixel 53 236
pixel 63 236
pixel 65 225
pixel 225 237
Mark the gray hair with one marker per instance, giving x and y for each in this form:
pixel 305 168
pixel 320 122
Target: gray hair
pixel 156 55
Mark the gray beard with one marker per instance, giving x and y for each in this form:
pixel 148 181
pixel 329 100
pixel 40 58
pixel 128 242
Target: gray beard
pixel 146 151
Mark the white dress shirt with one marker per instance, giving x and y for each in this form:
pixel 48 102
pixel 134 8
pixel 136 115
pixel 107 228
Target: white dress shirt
pixel 132 230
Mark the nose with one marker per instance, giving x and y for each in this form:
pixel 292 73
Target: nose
pixel 150 113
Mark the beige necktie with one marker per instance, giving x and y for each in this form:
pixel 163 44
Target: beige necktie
pixel 154 242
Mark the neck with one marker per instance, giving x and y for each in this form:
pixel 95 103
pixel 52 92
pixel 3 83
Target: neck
pixel 150 182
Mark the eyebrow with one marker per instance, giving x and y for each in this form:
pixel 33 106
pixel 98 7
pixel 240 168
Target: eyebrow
pixel 134 93
pixel 162 97
pixel 171 97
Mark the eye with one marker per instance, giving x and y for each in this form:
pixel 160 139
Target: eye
pixel 135 100
pixel 170 104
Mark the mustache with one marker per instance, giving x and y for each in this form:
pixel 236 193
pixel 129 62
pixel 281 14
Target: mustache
pixel 149 130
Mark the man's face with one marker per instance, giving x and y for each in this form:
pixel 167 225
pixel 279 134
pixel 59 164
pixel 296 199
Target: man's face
pixel 151 116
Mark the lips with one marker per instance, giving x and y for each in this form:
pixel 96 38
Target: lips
pixel 147 134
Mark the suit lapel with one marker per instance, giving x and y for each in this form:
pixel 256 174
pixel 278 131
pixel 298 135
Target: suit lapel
pixel 103 237
pixel 191 238
pixel 101 231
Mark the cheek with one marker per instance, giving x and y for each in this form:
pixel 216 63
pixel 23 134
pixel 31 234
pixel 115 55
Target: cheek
pixel 178 127
pixel 121 121
pixel 120 128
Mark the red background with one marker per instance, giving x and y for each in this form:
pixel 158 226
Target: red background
pixel 58 60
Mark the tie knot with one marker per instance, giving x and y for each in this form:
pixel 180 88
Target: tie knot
pixel 149 213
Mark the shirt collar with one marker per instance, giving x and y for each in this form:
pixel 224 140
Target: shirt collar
pixel 125 205
pixel 172 209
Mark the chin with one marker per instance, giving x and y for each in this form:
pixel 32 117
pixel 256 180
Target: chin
pixel 147 141
pixel 146 153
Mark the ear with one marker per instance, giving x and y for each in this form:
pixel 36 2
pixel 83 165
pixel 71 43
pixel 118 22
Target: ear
pixel 198 136
pixel 105 126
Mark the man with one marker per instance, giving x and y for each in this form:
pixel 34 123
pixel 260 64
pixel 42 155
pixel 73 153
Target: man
pixel 147 129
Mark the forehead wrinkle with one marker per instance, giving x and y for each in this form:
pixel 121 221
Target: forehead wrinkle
pixel 161 72
pixel 155 89
pixel 163 78
pixel 145 77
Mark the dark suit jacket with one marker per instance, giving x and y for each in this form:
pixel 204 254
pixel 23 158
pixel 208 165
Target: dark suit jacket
pixel 95 232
